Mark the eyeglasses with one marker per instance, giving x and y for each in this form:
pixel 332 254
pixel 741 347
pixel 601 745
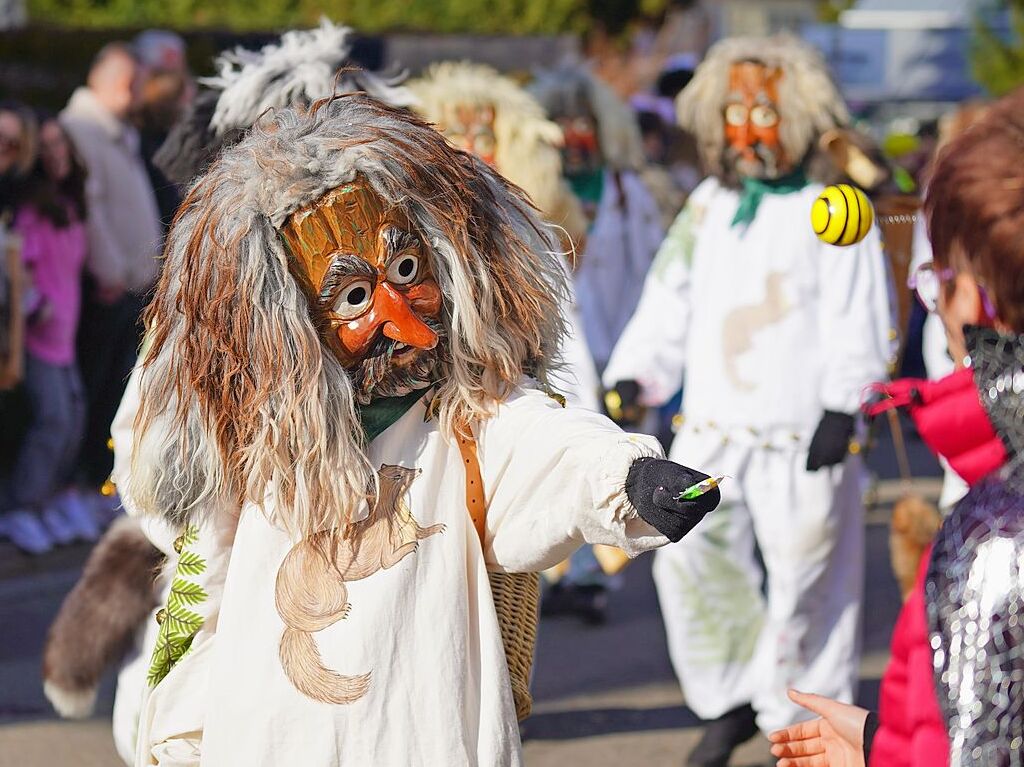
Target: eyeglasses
pixel 927 281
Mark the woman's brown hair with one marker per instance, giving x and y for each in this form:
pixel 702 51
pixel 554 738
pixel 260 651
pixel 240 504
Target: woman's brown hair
pixel 61 202
pixel 975 206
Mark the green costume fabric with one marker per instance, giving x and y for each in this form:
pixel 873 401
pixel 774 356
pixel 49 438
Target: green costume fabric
pixel 588 186
pixel 754 190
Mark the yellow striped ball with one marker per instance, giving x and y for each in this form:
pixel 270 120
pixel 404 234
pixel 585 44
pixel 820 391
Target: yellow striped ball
pixel 842 215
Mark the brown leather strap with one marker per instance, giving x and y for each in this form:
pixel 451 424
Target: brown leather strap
pixel 476 504
pixel 902 459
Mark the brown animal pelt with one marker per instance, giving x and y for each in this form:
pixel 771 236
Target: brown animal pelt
pixel 914 524
pixel 98 620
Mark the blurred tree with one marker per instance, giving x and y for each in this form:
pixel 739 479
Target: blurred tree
pixel 830 10
pixel 467 16
pixel 997 61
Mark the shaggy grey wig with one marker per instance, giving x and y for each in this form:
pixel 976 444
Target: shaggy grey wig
pixel 527 142
pixel 571 90
pixel 298 69
pixel 241 397
pixel 809 102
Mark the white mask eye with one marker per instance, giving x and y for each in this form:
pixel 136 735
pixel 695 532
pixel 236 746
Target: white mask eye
pixel 354 299
pixel 736 115
pixel 403 269
pixel 764 116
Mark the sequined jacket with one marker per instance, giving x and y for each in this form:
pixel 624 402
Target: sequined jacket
pixel 975 583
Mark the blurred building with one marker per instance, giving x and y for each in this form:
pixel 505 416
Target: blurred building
pixel 905 57
pixel 912 14
pixel 760 17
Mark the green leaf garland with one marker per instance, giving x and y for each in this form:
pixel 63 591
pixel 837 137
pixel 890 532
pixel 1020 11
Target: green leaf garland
pixel 179 623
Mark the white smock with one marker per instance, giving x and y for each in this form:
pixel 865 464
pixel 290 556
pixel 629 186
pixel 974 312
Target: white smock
pixel 424 628
pixel 765 327
pixel 620 246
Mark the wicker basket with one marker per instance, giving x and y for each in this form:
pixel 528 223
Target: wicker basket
pixel 516 601
pixel 516 595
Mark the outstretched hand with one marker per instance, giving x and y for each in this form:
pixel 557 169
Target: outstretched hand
pixel 654 486
pixel 834 740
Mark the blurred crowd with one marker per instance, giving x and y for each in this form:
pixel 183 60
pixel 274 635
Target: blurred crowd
pixel 84 208
pixel 647 211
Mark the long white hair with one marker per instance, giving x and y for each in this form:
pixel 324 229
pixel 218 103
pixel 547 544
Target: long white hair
pixel 809 102
pixel 527 142
pixel 241 398
pixel 571 90
pixel 296 70
pixel 304 66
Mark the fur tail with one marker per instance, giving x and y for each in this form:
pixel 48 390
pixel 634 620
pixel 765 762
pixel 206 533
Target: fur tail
pixel 98 620
pixel 301 661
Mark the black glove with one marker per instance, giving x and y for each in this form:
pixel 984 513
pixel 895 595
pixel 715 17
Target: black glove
pixel 652 486
pixel 622 403
pixel 831 440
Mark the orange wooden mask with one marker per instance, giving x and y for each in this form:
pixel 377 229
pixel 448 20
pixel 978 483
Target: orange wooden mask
pixel 751 116
pixel 367 272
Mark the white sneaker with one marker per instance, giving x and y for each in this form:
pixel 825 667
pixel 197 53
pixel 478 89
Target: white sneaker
pixel 56 525
pixel 77 513
pixel 26 531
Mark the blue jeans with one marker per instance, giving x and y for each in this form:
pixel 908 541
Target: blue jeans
pixel 48 455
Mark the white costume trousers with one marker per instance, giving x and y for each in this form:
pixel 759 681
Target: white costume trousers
pixel 731 645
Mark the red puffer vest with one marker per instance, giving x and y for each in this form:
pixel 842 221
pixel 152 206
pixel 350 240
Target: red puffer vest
pixel 950 419
pixel 911 732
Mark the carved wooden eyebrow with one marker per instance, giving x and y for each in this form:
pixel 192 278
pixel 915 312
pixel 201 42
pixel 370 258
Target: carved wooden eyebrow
pixel 341 268
pixel 397 240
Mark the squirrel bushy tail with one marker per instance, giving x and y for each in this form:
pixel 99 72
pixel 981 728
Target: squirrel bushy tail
pixel 311 595
pixel 301 661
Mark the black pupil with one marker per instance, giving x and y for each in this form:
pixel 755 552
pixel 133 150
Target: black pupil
pixel 405 267
pixel 357 295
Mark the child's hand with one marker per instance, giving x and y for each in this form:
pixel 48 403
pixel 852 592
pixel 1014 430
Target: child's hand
pixel 834 740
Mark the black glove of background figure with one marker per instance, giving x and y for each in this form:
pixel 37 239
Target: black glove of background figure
pixel 831 440
pixel 653 484
pixel 622 403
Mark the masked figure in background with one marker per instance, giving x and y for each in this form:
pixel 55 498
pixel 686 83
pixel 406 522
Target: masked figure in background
pixel 345 398
pixel 109 608
pixel 487 114
pixel 777 334
pixel 602 155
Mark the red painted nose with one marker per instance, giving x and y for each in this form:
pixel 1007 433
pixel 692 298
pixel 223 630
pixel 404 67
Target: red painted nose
pixel 400 322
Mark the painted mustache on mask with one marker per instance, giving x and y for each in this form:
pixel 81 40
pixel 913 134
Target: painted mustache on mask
pixel 390 369
pixel 765 166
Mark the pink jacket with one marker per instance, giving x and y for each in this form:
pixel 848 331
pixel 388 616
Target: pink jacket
pixel 54 259
pixel 911 732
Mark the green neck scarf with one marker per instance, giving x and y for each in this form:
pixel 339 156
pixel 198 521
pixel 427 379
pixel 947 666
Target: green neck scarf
pixel 381 413
pixel 588 186
pixel 754 189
